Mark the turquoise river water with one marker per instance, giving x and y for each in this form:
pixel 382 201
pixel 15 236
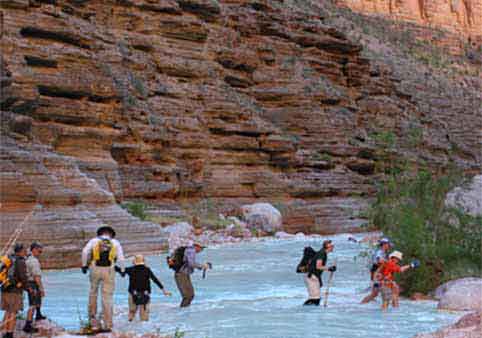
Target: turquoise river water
pixel 253 291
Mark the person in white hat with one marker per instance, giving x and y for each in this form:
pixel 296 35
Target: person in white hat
pixel 140 277
pixel 385 274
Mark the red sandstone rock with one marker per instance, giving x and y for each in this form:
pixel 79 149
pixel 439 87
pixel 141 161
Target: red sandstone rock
pixel 231 102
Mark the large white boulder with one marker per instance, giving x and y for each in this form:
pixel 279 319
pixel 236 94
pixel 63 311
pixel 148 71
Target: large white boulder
pixel 467 198
pixel 262 216
pixel 460 294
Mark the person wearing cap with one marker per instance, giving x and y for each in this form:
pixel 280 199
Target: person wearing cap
pixel 183 276
pixel 35 289
pixel 313 279
pixel 100 255
pixel 140 277
pixel 379 257
pixel 12 294
pixel 385 275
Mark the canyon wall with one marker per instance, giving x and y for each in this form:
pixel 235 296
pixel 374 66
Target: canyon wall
pixel 188 100
pixel 463 18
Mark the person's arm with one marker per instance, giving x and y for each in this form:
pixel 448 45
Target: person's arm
pixel 158 283
pixel 405 268
pixel 321 264
pixel 190 258
pixel 87 252
pixel 21 274
pixel 120 255
pixel 37 276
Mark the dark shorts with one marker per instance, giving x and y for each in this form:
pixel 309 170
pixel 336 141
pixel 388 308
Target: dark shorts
pixel 34 297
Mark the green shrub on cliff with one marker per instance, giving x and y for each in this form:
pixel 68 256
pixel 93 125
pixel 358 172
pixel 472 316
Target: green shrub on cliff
pixel 412 212
pixel 137 209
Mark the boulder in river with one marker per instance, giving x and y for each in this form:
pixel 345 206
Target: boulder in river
pixel 262 216
pixel 460 294
pixel 469 326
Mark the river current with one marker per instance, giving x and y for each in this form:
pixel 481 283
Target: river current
pixel 253 291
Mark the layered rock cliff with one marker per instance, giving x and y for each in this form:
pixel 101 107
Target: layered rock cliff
pixel 231 102
pixel 461 17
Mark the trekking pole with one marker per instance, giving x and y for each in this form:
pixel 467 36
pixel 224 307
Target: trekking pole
pixel 16 234
pixel 325 303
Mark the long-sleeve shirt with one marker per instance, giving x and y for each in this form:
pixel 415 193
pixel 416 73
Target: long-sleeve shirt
pixel 190 261
pixel 87 251
pixel 140 277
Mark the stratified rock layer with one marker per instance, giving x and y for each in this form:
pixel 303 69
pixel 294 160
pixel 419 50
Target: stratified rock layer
pixel 461 17
pixel 235 101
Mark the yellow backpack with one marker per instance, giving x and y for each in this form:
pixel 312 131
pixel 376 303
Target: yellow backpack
pixel 6 274
pixel 104 252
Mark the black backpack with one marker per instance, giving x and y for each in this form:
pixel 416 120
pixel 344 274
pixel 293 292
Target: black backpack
pixel 308 254
pixel 176 261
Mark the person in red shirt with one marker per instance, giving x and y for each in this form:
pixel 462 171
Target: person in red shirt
pixel 385 274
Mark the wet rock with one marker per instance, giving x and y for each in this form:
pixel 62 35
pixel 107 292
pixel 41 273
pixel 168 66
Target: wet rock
pixel 283 235
pixel 262 216
pixel 180 234
pixel 469 326
pixel 461 294
pixel 467 198
pixel 417 296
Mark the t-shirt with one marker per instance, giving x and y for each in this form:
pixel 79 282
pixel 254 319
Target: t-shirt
pixel 33 268
pixel 389 268
pixel 379 254
pixel 319 255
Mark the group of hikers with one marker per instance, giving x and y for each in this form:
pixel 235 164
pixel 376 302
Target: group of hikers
pixel 383 267
pixel 104 257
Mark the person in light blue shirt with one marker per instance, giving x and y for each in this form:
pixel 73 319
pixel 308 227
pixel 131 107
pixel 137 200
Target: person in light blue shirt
pixel 183 275
pixel 379 257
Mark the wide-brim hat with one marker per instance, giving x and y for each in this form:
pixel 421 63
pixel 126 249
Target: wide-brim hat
pixel 106 228
pixel 396 254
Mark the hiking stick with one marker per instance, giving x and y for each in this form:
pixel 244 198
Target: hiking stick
pixel 325 303
pixel 16 234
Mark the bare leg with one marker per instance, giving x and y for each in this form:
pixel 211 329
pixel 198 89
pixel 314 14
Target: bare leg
pixel 374 293
pixel 395 295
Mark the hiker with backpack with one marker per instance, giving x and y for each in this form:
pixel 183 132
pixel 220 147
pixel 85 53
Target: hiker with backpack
pixel 100 255
pixel 140 277
pixel 313 264
pixel 13 283
pixel 35 287
pixel 379 257
pixel 183 262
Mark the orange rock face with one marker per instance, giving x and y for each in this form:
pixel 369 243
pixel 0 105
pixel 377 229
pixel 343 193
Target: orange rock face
pixel 231 101
pixel 462 17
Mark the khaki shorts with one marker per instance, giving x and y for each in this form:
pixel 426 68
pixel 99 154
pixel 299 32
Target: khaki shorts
pixel 12 302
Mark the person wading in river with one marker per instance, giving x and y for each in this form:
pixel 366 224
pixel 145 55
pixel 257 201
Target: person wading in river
pixel 101 254
pixel 313 277
pixel 140 277
pixel 183 262
pixel 379 257
pixel 384 274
